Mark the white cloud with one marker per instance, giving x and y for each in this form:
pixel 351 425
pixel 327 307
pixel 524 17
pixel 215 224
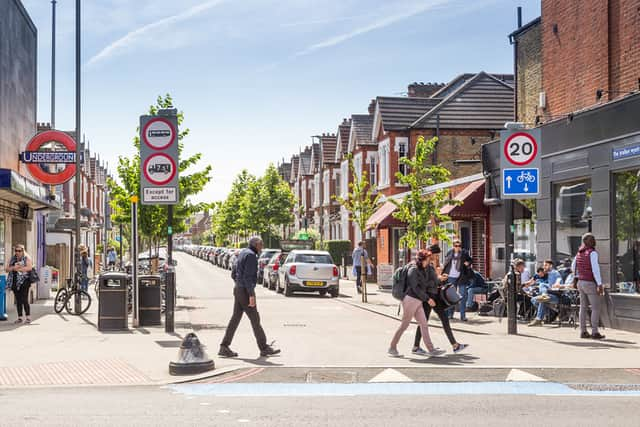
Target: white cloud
pixel 373 26
pixel 131 38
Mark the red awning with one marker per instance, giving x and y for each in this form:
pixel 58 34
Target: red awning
pixel 472 198
pixel 383 213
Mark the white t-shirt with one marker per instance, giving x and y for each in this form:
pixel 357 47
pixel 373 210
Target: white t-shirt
pixel 454 273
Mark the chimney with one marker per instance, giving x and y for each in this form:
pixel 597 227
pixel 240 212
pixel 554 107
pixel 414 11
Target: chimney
pixel 423 90
pixel 372 107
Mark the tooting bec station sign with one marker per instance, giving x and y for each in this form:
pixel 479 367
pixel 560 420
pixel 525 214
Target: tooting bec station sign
pixel 159 160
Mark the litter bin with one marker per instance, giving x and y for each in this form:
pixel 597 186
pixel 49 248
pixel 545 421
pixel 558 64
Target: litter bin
pixel 113 313
pixel 150 300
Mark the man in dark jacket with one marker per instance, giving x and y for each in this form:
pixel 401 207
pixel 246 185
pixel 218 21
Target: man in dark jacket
pixel 245 275
pixel 458 268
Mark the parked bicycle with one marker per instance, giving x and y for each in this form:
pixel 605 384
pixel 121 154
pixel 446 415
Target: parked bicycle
pixel 66 298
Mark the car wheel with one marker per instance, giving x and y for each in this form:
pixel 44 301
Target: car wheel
pixel 334 293
pixel 273 286
pixel 278 287
pixel 287 290
pixel 323 292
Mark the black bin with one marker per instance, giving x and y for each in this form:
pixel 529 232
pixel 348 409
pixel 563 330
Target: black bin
pixel 113 313
pixel 150 300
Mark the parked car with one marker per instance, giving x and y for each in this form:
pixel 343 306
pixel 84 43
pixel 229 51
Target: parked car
pixel 309 271
pixel 271 278
pixel 233 258
pixel 263 260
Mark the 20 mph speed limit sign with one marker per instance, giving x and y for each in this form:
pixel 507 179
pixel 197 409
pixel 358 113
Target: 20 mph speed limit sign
pixel 520 163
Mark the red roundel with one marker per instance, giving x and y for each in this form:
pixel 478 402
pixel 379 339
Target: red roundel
pixel 520 148
pixel 159 169
pixel 37 172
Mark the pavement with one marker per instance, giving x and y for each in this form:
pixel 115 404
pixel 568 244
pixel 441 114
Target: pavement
pixel 324 340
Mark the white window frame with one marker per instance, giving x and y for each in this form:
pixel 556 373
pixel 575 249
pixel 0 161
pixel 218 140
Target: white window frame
pixel 402 144
pixel 357 164
pixel 344 175
pixel 326 183
pixel 372 160
pixel 316 190
pixel 383 159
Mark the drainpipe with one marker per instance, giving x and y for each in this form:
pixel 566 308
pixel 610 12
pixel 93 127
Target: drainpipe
pixel 435 151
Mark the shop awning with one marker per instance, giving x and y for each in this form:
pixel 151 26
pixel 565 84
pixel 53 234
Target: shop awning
pixel 382 216
pixel 472 197
pixel 19 189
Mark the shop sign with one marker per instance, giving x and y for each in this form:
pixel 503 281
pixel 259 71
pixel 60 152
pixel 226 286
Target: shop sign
pixel 47 150
pixel 626 152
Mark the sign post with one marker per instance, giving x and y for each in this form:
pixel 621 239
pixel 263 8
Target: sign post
pixel 159 184
pixel 520 173
pixel 134 258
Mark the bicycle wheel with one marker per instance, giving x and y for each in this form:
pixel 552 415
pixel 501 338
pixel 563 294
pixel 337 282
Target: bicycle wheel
pixel 85 302
pixel 61 300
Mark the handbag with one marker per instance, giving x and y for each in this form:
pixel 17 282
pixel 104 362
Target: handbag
pixel 33 276
pixel 449 295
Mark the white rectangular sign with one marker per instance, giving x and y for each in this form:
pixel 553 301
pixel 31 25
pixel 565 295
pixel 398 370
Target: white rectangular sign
pixel 160 195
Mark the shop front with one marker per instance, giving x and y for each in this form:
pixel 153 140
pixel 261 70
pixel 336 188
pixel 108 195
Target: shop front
pixel 590 182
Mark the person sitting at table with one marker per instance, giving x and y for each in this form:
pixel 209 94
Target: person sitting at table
pixel 545 299
pixel 478 286
pixel 539 277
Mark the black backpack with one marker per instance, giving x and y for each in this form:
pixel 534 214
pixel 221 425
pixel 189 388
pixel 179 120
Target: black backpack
pixel 400 282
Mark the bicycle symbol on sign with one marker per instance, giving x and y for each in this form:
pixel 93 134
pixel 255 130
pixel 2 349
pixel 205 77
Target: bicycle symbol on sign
pixel 526 177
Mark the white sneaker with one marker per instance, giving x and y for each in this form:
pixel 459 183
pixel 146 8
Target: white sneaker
pixel 393 352
pixel 436 352
pixel 420 352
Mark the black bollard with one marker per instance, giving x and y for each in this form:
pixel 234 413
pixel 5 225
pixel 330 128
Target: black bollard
pixel 192 359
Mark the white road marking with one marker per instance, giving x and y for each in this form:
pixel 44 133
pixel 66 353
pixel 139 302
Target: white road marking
pixel 390 376
pixel 243 420
pixel 521 376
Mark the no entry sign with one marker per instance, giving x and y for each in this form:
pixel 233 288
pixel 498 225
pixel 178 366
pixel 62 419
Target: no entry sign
pixel 159 159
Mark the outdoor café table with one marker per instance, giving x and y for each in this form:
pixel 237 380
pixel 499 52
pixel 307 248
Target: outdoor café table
pixel 568 304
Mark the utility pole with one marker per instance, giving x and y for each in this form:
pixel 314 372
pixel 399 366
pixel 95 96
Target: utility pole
pixel 77 302
pixel 52 188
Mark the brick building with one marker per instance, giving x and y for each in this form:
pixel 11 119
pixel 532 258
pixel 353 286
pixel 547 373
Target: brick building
pixel 587 111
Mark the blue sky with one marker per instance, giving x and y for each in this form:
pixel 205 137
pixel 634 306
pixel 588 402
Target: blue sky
pixel 256 78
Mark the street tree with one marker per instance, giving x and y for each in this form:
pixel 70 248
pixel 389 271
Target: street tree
pixel 153 219
pixel 423 212
pixel 232 220
pixel 361 202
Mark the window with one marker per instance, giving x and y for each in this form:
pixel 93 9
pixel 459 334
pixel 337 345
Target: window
pixel 314 259
pixel 344 172
pixel 373 173
pixel 316 191
pixel 357 165
pixel 326 194
pixel 572 217
pixel 383 155
pixel 338 182
pixel 402 144
pixel 627 232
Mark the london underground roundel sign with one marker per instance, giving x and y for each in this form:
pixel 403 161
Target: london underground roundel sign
pixel 520 149
pixel 45 151
pixel 158 133
pixel 159 169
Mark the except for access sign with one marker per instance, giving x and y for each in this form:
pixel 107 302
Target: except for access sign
pixel 159 159
pixel 520 182
pixel 160 195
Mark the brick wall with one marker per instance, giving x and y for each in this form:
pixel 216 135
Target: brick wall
pixel 624 45
pixel 529 59
pixel 595 47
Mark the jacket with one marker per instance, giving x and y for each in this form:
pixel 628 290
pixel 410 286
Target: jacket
pixel 466 273
pixel 422 283
pixel 247 270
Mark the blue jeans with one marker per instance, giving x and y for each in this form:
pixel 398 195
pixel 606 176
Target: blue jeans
pixel 472 292
pixel 461 287
pixel 542 306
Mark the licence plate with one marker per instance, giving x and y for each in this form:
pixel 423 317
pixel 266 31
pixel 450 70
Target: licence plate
pixel 315 283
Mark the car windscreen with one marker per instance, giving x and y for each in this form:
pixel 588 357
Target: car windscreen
pixel 314 258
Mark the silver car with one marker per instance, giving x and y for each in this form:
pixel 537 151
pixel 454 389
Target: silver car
pixel 309 271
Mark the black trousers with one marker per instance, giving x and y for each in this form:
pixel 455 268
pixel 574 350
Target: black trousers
pixel 240 306
pixel 359 277
pixel 440 310
pixel 22 299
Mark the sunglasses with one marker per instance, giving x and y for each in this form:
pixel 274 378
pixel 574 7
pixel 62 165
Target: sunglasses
pixel 19 250
pixel 457 246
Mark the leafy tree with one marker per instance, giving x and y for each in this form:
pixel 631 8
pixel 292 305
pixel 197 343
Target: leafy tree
pixel 360 202
pixel 232 219
pixel 153 219
pixel 423 212
pixel 271 202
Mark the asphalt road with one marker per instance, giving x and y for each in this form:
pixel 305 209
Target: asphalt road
pixel 153 406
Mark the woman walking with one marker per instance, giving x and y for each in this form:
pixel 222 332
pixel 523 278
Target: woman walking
pixel 19 268
pixel 422 281
pixel 440 308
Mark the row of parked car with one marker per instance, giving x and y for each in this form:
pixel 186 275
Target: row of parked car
pixel 281 271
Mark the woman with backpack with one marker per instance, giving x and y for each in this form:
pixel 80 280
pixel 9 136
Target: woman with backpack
pixel 421 282
pixel 440 308
pixel 19 270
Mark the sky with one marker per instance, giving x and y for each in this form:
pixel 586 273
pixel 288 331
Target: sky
pixel 256 78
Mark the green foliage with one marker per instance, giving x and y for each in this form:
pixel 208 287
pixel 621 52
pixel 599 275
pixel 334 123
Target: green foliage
pixel 312 233
pixel 361 202
pixel 337 248
pixel 422 212
pixel 153 219
pixel 255 206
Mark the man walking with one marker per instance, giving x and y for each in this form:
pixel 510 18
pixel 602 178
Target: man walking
pixel 457 266
pixel 358 253
pixel 587 272
pixel 245 276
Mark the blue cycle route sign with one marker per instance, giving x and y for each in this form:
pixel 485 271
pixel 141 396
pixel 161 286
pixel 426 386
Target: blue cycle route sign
pixel 521 182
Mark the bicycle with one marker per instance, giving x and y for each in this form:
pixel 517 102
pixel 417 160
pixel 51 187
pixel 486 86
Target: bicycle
pixel 65 298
